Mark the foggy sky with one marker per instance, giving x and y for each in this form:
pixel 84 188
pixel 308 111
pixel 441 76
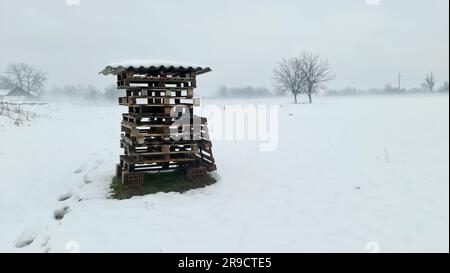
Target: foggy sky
pixel 242 41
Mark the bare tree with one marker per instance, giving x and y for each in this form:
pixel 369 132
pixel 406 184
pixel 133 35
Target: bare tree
pixel 302 75
pixel 430 82
pixel 289 77
pixel 111 92
pixel 25 77
pixel 444 87
pixel 315 71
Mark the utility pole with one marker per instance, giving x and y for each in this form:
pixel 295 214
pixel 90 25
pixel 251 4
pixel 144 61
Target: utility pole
pixel 399 81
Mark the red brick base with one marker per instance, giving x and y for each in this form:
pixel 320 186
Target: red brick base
pixel 118 170
pixel 132 179
pixel 195 174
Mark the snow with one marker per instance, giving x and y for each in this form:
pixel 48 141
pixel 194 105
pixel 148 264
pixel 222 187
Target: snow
pixel 350 174
pixel 18 99
pixel 142 63
pixel 3 92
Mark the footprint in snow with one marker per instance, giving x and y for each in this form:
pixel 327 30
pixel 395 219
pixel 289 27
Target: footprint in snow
pixel 79 169
pixel 97 164
pixel 65 196
pixel 25 239
pixel 87 179
pixel 45 241
pixel 61 212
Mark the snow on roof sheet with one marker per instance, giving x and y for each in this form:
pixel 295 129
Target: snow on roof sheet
pixel 3 92
pixel 153 66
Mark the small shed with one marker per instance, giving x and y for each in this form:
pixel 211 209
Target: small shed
pixel 18 94
pixel 3 93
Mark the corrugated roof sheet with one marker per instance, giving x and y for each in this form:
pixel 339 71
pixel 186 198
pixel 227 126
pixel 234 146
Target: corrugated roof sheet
pixel 154 67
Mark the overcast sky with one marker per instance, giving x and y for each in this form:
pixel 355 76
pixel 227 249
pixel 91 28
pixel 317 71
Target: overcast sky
pixel 240 40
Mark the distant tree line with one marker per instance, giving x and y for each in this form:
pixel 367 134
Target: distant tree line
pixel 302 75
pixel 243 92
pixel 32 80
pixel 83 92
pixel 428 86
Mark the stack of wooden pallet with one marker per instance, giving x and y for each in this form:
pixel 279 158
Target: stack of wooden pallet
pixel 160 131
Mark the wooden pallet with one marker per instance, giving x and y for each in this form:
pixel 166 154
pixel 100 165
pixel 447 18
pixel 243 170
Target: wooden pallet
pixel 166 110
pixel 158 167
pixel 157 138
pixel 137 84
pixel 149 119
pixel 164 131
pixel 159 149
pixel 131 164
pixel 162 137
pixel 198 154
pixel 158 102
pixel 149 126
pixel 133 77
pixel 206 156
pixel 159 92
pixel 150 142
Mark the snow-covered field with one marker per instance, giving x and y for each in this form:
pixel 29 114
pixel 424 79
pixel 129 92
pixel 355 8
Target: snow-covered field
pixel 350 174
